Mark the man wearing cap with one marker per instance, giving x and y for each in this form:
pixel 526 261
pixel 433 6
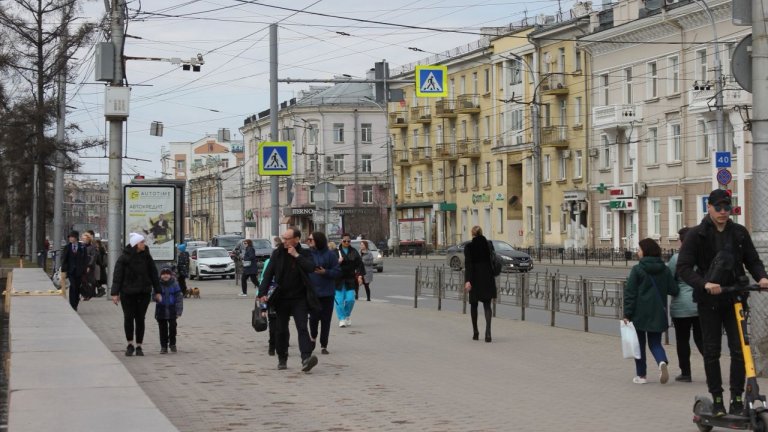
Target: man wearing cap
pixel 74 260
pixel 715 253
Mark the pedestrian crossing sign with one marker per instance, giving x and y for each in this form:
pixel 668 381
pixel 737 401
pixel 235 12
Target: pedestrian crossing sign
pixel 275 158
pixel 431 81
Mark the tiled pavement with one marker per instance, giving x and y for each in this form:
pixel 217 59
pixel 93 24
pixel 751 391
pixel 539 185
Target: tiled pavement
pixel 396 369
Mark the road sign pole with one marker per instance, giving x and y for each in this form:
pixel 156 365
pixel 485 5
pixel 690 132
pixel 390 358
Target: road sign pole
pixel 274 181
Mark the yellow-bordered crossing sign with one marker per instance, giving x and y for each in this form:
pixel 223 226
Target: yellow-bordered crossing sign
pixel 431 81
pixel 275 158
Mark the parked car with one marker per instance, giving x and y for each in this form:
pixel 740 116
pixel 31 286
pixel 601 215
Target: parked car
pixel 226 241
pixel 262 247
pixel 378 257
pixel 211 262
pixel 512 259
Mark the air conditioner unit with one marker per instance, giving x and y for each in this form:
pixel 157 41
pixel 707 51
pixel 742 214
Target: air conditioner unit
pixel 566 154
pixel 641 189
pixel 593 152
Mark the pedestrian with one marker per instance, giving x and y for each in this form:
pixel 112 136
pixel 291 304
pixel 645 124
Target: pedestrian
pixel 101 265
pixel 271 314
pixel 479 280
pixel 290 265
pixel 715 253
pixel 88 285
pixel 685 319
pixel 324 282
pixel 352 272
pixel 367 256
pixel 170 305
pixel 182 267
pixel 250 268
pixel 134 281
pixel 74 261
pixel 645 305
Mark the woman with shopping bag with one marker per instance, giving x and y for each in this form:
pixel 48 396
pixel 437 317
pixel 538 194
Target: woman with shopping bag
pixel 645 306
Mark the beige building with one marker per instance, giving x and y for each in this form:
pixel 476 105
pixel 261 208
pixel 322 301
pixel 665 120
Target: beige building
pixel 653 88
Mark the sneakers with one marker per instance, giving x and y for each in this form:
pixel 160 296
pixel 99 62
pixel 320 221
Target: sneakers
pixel 342 323
pixel 282 364
pixel 308 363
pixel 683 378
pixel 349 322
pixel 639 380
pixel 163 350
pixel 737 406
pixel 663 372
pixel 173 348
pixel 129 350
pixel 324 351
pixel 242 295
pixel 718 409
pixel 139 351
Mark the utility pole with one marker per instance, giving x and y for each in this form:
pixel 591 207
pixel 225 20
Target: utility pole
pixel 394 228
pixel 242 199
pixel 115 200
pixel 222 225
pixel 759 208
pixel 274 181
pixel 59 157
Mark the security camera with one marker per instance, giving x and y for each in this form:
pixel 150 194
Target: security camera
pixel 200 58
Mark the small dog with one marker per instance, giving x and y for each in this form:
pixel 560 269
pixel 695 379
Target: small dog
pixel 196 292
pixel 188 293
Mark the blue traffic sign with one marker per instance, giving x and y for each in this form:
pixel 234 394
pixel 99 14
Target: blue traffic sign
pixel 275 158
pixel 431 81
pixel 724 176
pixel 723 159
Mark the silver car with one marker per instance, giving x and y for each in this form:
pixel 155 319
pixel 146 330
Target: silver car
pixel 513 260
pixel 378 258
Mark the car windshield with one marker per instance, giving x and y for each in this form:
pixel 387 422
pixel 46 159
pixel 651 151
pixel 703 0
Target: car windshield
pixel 227 242
pixel 212 253
pixel 502 246
pixel 262 244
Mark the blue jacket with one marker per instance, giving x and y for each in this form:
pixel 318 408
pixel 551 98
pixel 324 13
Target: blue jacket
pixel 325 284
pixel 172 304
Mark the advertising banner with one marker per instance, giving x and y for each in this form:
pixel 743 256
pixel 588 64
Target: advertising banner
pixel 150 211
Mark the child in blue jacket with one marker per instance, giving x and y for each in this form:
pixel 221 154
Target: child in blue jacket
pixel 170 305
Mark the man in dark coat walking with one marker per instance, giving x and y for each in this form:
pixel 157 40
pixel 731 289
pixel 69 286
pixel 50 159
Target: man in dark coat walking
pixel 290 266
pixel 74 260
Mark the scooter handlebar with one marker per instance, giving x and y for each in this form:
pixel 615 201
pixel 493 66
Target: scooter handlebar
pixel 737 288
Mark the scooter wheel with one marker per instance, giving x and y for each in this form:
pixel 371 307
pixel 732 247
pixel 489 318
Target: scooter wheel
pixel 762 422
pixel 700 407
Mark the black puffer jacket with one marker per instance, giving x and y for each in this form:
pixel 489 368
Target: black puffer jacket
pixel 135 273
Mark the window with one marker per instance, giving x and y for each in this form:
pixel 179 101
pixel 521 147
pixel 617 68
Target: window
pixel 475 174
pixel 673 75
pixel 487 127
pixel 487 174
pixel 563 114
pixel 702 140
pixel 499 172
pixel 366 162
pixel 700 73
pixel 515 72
pixel 548 219
pixel 419 180
pixel 529 170
pixel 475 129
pixel 651 83
pixel 427 144
pixel 561 60
pixel 675 215
pixel 545 169
pixel 453 177
pixel 653 146
pixel 407 177
pixel 516 120
pixel 564 221
pixel 464 177
pixel 181 165
pixel 430 182
pixel 606 221
pixel 605 152
pixel 342 195
pixel 487 73
pixel 561 164
pixel 629 155
pixel 577 164
pixel 365 133
pixel 463 85
pixel 604 85
pixel 367 194
pixel 577 60
pixel 674 143
pixel 338 163
pixel 547 115
pixel 338 132
pixel 577 111
pixel 500 219
pixel 628 85
pixel 415 139
pixel 313 133
pixel 311 194
pixel 463 129
pixel 475 86
pixel 654 218
pixel 313 163
pixel 529 218
pixel 439 180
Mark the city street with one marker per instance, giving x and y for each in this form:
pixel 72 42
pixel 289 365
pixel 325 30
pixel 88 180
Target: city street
pixel 396 368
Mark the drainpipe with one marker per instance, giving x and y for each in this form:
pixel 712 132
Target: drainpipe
pixel 356 115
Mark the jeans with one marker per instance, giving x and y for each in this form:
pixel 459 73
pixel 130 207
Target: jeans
pixel 74 289
pixel 134 309
pixel 167 332
pixel 323 318
pixel 296 308
pixel 657 350
pixel 714 317
pixel 683 329
pixel 345 301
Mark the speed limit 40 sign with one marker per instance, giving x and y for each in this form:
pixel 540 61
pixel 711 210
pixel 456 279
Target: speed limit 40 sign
pixel 722 159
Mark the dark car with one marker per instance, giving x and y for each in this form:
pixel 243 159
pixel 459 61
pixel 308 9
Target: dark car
pixel 511 258
pixel 262 247
pixel 226 241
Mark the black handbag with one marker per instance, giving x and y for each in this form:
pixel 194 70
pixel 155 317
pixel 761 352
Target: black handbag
pixel 258 317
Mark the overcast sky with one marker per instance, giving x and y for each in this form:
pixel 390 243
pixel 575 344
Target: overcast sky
pixel 233 37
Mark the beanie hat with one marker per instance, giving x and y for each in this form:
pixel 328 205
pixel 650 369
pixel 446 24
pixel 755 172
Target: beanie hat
pixel 650 248
pixel 166 269
pixel 135 239
pixel 183 247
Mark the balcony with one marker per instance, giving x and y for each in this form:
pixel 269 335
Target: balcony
pixel 469 148
pixel 421 114
pixel 468 104
pixel 421 154
pixel 554 84
pixel 402 157
pixel 446 151
pixel 616 116
pixel 398 119
pixel 510 142
pixel 554 136
pixel 702 100
pixel 445 108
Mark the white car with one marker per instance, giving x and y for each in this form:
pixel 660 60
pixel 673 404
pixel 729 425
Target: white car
pixel 211 262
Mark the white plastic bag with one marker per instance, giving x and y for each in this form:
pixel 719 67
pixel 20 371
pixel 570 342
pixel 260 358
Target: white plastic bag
pixel 630 345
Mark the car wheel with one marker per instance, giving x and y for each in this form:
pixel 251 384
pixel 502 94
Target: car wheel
pixel 455 263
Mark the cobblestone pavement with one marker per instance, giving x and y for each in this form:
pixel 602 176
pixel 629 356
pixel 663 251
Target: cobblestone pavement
pixel 395 369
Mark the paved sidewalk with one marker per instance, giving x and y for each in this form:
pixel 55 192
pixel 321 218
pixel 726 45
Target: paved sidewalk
pixel 396 369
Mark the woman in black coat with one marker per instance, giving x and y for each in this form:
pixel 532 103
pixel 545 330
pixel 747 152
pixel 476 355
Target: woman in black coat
pixel 134 281
pixel 479 280
pixel 250 271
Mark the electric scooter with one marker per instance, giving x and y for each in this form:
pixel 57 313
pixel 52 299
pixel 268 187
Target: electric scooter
pixel 755 415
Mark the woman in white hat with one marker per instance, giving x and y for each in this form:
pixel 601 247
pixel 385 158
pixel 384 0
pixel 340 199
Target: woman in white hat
pixel 134 282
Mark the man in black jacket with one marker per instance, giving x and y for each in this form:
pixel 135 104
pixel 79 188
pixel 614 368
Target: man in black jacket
pixel 715 253
pixel 290 266
pixel 73 262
